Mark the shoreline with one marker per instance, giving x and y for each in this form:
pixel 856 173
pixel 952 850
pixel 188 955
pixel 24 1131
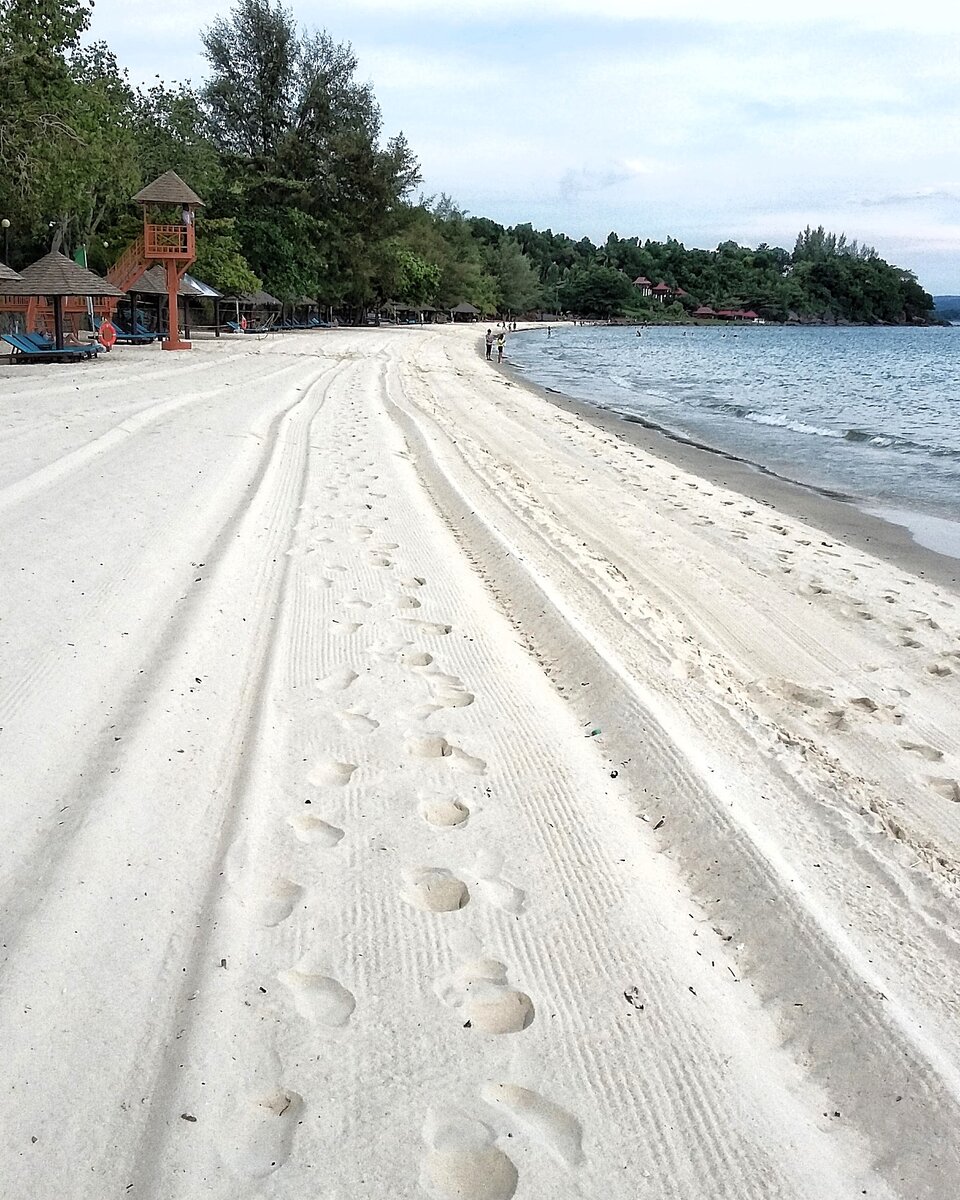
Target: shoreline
pixel 835 513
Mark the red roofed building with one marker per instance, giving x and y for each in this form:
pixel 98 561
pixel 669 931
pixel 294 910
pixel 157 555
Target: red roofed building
pixel 705 311
pixel 643 284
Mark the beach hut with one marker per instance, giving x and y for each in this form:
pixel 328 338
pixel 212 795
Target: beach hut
pixel 55 277
pixel 465 311
pixel 9 277
pixel 153 284
pixel 263 308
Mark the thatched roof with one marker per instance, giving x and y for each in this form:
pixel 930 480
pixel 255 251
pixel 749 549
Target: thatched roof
pixel 153 282
pixel 57 275
pixel 8 275
pixel 464 307
pixel 261 300
pixel 168 189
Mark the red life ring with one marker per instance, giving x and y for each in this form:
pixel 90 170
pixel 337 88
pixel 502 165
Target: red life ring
pixel 107 335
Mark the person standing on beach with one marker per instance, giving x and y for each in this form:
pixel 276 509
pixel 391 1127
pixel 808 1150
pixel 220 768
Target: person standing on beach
pixel 489 340
pixel 500 341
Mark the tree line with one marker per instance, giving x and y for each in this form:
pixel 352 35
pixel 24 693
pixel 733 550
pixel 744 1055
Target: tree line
pixel 306 197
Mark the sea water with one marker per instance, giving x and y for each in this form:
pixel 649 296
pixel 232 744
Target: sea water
pixel 870 414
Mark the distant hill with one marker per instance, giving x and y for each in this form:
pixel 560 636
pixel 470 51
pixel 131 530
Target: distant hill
pixel 947 307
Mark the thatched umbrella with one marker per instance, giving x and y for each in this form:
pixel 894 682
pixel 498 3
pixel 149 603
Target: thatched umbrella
pixel 8 275
pixel 56 276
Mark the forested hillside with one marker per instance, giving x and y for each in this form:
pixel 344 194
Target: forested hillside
pixel 306 196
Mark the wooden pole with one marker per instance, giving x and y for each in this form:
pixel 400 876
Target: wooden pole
pixel 174 341
pixel 58 321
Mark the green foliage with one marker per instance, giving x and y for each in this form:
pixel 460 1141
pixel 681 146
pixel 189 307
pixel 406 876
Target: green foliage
pixel 517 281
pixel 299 133
pixel 595 291
pixel 282 248
pixel 219 260
pixel 66 144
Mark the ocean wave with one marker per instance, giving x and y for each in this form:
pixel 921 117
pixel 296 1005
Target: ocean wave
pixel 783 422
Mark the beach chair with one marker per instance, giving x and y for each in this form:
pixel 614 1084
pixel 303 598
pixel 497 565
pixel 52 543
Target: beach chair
pixel 126 338
pixel 34 347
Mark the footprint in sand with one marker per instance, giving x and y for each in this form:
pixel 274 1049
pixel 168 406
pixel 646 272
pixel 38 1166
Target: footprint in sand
pixel 434 745
pixel 949 789
pixel 407 602
pixel 480 989
pixel 259 1133
pixel 315 831
pixel 434 889
pixel 927 752
pixel 319 999
pixel 414 658
pixel 345 628
pixel 491 885
pixel 463 1163
pixel 941 670
pixel 556 1129
pixel 331 773
pixel 273 902
pixel 430 628
pixel 444 813
pixel 357 722
pixel 446 691
pixel 338 681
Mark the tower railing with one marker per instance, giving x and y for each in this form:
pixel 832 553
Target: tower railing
pixel 169 241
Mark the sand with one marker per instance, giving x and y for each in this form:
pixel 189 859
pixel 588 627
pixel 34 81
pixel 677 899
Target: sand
pixel 410 787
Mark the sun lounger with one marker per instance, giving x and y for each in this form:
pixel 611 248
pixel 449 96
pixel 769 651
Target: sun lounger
pixel 126 338
pixel 34 347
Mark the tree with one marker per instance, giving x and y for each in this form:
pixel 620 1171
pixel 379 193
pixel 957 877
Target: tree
pixel 518 285
pixel 298 131
pixel 64 118
pixel 596 291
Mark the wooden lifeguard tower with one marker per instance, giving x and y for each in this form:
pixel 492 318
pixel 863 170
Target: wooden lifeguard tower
pixel 170 243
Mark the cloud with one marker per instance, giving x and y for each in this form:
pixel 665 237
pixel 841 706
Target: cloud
pixel 406 69
pixel 864 15
pixel 949 194
pixel 575 181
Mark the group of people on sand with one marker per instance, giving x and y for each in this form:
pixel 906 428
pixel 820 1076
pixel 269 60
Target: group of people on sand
pixel 500 339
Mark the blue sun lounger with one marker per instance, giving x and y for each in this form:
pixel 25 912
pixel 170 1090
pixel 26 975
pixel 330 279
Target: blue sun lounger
pixel 34 347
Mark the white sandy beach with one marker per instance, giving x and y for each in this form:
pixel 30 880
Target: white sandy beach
pixel 410 788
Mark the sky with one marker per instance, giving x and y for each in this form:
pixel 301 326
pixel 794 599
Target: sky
pixel 702 121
